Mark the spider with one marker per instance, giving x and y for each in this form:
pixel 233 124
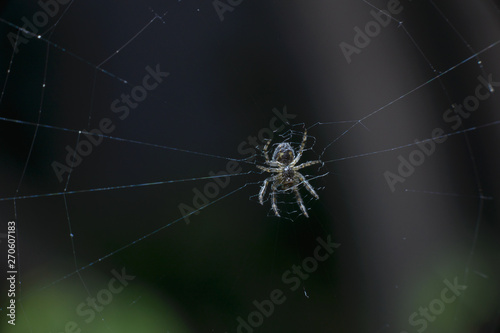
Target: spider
pixel 285 172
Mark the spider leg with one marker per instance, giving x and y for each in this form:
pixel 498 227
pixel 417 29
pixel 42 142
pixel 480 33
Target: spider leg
pixel 301 149
pixel 273 200
pixel 276 164
pixel 306 184
pixel 263 190
pixel 306 164
pixel 264 186
pixel 266 155
pixel 266 169
pixel 300 201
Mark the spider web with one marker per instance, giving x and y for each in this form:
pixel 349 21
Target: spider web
pixel 219 85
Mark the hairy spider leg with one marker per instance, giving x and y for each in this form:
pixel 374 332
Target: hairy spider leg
pixel 301 149
pixel 307 185
pixel 306 164
pixel 266 169
pixel 273 199
pixel 266 155
pixel 263 188
pixel 300 201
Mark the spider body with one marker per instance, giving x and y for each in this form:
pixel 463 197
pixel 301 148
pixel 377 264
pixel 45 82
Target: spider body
pixel 285 175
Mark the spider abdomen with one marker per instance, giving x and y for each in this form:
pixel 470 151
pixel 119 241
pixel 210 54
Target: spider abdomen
pixel 284 153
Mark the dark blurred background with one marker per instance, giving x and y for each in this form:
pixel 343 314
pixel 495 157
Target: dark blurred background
pixel 225 79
